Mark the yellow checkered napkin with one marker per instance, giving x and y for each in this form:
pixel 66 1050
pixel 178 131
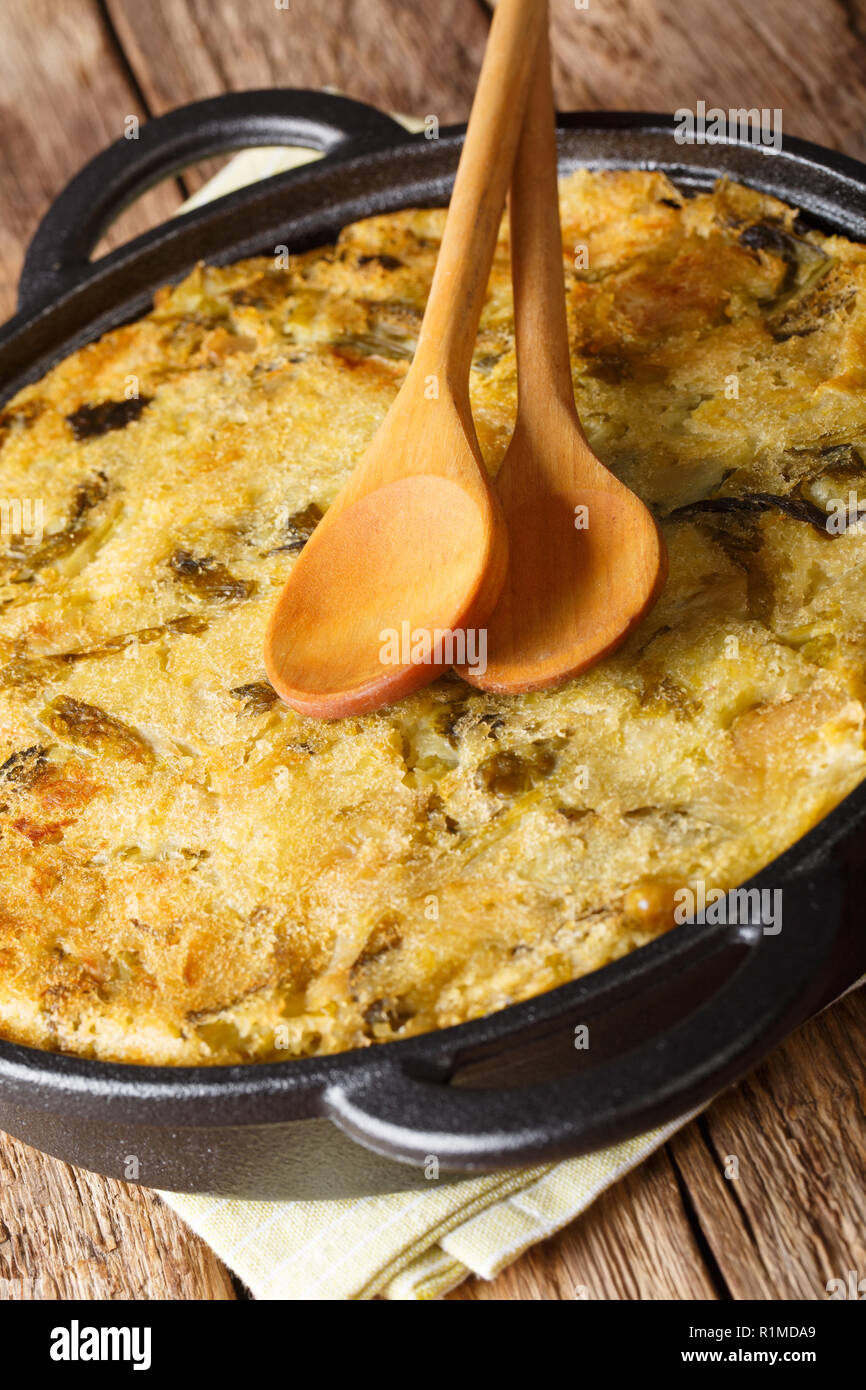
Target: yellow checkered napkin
pixel 402 1245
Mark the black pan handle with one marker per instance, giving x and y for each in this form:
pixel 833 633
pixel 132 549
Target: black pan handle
pixel 60 250
pixel 402 1113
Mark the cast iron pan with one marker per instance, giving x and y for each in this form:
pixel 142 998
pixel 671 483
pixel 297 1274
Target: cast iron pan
pixel 669 1025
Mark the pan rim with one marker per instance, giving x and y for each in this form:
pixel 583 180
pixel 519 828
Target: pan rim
pixel 65 1072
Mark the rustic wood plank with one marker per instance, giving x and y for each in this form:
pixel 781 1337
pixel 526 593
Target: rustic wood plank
pixel 808 59
pixel 796 1215
pixel 635 1242
pixel 65 1233
pixel 717 1211
pixel 418 59
pixel 65 96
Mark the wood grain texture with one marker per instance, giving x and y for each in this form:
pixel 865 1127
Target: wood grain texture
pixel 807 58
pixel 676 1227
pixel 64 96
pixel 65 1233
pixel 798 1130
pixel 417 58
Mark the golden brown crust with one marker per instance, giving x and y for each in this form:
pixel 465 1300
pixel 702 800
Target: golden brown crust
pixel 191 872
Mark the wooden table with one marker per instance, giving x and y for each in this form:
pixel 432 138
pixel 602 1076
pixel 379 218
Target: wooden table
pixel 677 1228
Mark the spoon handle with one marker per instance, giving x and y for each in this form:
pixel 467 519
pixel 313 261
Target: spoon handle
pixel 447 338
pixel 540 321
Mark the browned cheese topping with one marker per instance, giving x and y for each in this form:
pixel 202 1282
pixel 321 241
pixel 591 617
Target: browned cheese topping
pixel 189 871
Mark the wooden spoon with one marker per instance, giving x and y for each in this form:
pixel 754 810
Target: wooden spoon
pixel 416 542
pixel 578 580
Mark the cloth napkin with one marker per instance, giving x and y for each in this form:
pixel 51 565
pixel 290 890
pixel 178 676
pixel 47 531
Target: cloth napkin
pixel 404 1245
pixel 412 1244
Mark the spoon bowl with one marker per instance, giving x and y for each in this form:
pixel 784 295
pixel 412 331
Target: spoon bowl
pixel 403 594
pixel 585 563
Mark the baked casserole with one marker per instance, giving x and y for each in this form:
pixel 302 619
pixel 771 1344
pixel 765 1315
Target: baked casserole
pixel 193 873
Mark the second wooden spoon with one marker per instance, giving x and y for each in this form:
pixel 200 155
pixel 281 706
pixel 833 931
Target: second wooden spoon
pixel 586 557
